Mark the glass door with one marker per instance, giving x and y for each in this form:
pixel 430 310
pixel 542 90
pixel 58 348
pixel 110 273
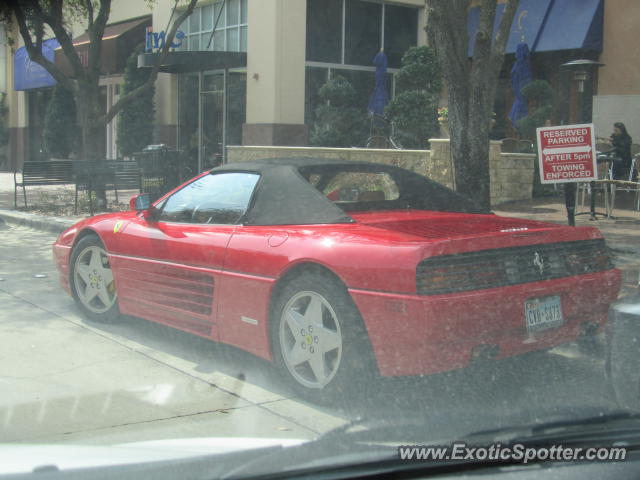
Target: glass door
pixel 212 114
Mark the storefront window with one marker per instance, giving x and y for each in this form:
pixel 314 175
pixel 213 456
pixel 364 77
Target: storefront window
pixel 324 30
pixel 362 32
pixel 400 32
pixel 188 94
pixel 236 107
pixel 351 32
pixel 231 30
pixel 314 79
pixel 362 82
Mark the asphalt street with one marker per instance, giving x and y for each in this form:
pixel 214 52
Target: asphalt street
pixel 64 379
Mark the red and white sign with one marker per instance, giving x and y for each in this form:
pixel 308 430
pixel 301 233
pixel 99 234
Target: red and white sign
pixel 567 154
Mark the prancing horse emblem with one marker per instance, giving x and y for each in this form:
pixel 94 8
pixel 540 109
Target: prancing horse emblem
pixel 538 261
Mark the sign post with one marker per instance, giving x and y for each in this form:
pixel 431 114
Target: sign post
pixel 567 154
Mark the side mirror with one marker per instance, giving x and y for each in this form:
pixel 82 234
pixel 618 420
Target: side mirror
pixel 140 202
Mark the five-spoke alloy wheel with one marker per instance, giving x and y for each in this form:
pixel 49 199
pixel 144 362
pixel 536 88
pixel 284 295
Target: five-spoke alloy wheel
pixel 91 279
pixel 310 339
pixel 318 338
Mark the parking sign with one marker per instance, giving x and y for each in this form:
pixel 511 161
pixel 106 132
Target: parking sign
pixel 567 153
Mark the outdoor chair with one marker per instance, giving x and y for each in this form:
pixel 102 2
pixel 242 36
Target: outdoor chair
pixel 628 185
pixel 593 187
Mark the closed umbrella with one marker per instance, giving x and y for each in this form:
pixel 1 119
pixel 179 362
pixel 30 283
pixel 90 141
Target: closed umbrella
pixel 379 98
pixel 520 76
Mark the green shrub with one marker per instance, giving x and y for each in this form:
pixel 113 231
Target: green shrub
pixel 60 125
pixel 339 122
pixel 413 110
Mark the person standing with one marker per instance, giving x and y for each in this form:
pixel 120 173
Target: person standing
pixel 621 142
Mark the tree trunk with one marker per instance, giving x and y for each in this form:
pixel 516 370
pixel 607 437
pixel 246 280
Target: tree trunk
pixel 471 84
pixel 91 133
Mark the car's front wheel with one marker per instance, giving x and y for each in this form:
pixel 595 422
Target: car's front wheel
pixel 318 338
pixel 91 279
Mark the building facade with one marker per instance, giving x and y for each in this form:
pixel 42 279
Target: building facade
pixel 291 46
pixel 254 78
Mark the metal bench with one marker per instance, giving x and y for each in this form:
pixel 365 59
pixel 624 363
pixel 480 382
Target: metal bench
pixel 108 174
pixel 84 175
pixel 128 176
pixel 52 172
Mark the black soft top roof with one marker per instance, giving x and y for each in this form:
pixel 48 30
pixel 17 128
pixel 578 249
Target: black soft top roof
pixel 284 197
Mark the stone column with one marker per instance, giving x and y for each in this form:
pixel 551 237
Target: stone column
pixel 276 46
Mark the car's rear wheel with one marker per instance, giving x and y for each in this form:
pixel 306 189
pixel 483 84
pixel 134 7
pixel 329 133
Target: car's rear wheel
pixel 318 338
pixel 91 279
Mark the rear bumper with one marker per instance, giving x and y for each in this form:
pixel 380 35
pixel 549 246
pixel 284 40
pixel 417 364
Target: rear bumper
pixel 61 256
pixel 417 334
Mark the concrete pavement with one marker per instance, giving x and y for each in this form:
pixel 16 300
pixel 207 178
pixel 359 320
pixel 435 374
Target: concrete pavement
pixel 64 379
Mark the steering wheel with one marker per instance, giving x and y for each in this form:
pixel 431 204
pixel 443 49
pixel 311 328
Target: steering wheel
pixel 195 211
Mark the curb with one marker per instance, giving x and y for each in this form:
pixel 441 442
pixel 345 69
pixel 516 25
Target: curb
pixel 38 222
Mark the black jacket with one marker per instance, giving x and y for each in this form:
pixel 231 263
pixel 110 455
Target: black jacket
pixel 622 148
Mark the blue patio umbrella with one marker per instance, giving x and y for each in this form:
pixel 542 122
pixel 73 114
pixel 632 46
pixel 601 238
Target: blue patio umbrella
pixel 380 97
pixel 520 76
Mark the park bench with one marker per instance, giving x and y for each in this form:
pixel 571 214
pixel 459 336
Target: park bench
pixel 51 172
pixel 84 175
pixel 108 174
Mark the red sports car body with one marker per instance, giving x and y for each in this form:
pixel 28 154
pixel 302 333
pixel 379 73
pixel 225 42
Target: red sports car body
pixel 434 282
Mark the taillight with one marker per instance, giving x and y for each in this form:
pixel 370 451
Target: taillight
pixel 510 266
pixel 455 278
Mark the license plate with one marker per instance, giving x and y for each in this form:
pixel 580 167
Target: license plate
pixel 543 313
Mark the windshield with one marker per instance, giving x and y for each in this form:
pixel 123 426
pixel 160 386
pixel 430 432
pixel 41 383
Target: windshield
pixel 263 237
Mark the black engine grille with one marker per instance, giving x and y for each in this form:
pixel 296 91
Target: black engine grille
pixel 510 266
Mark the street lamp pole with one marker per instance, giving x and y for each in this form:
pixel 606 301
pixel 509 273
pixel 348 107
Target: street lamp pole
pixel 583 70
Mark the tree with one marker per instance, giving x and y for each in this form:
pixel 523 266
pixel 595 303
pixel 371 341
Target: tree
pixel 471 84
pixel 60 123
pixel 413 109
pixel 135 128
pixel 339 122
pixel 36 18
pixel 4 130
pixel 540 95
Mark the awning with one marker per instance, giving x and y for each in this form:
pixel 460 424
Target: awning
pixel 573 24
pixel 183 62
pixel 28 74
pixel 548 25
pixel 118 42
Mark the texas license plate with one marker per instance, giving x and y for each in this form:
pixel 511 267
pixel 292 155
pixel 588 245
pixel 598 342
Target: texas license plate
pixel 543 313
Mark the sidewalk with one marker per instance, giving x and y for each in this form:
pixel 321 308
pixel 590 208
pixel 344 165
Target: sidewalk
pixel 622 231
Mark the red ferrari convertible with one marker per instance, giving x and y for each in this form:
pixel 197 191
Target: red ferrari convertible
pixel 327 267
